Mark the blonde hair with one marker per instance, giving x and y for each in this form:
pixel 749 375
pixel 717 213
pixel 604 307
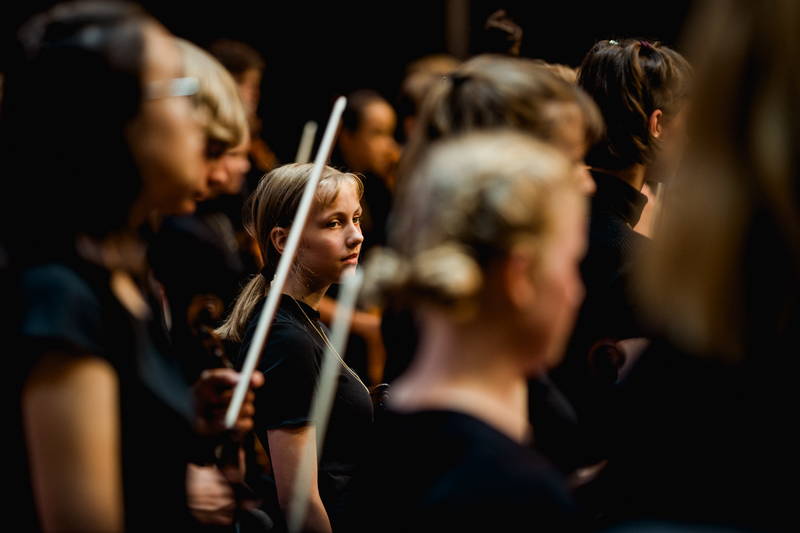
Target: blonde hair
pixel 564 72
pixel 733 213
pixel 274 204
pixel 217 102
pixel 489 92
pixel 469 202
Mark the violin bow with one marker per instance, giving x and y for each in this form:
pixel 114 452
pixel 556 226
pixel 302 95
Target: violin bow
pixel 285 263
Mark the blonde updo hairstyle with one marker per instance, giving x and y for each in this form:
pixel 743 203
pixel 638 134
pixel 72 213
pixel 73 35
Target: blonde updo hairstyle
pixel 491 92
pixel 469 202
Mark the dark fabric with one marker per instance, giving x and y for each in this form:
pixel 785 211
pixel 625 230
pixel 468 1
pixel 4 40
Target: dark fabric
pixel 291 363
pixel 447 471
pixel 70 307
pixel 377 204
pixel 700 440
pixel 195 256
pixel 709 438
pixel 400 337
pixel 586 375
pixel 555 425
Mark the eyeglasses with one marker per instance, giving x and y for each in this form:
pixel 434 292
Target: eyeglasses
pixel 172 87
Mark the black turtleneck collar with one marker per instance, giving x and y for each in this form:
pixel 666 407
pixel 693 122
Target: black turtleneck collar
pixel 616 197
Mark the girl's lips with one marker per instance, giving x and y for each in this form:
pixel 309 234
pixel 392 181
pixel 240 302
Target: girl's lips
pixel 351 259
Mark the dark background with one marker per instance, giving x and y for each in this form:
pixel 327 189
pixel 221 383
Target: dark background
pixel 317 50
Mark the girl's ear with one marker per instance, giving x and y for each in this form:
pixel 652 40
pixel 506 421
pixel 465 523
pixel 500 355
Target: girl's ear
pixel 655 123
pixel 278 238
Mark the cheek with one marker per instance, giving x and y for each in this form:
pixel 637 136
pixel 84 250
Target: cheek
pixel 321 252
pixel 560 299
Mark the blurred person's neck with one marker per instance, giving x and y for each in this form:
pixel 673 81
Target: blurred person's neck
pixel 467 368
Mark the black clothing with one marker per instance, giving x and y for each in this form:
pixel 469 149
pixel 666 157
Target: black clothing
pixel 698 439
pixel 195 256
pixel 71 307
pixel 291 363
pixel 586 375
pixel 377 204
pixel 447 471
pixel 555 425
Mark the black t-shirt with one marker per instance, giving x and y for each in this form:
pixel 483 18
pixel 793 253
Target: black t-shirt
pixel 448 471
pixel 291 363
pixel 70 307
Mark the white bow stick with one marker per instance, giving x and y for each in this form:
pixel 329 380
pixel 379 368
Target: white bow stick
pixel 285 263
pixel 323 397
pixel 306 142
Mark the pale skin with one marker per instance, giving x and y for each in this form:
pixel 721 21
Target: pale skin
pixel 481 366
pixel 330 244
pixel 70 402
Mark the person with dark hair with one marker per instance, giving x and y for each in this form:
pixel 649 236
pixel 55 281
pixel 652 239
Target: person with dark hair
pixel 108 424
pixel 501 35
pixel 704 431
pixel 367 146
pixel 642 90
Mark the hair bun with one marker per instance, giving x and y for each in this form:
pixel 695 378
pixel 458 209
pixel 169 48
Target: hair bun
pixel 447 273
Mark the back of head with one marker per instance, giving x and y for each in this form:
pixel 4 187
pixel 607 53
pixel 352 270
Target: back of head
pixel 420 76
pixel 71 90
pixel 469 201
pixel 501 35
pixel 724 275
pixel 629 80
pixel 489 92
pixel 217 103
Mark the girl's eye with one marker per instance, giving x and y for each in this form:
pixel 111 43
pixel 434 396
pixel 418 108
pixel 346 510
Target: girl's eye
pixel 333 224
pixel 357 220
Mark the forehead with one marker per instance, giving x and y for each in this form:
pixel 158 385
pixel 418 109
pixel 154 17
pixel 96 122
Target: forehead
pixel 347 197
pixel 378 113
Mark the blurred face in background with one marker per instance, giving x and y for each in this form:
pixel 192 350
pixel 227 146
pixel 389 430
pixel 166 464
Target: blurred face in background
pixel 558 286
pixel 372 147
pixel 249 84
pixel 166 140
pixel 236 165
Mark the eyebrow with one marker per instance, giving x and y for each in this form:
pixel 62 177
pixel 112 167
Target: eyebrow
pixel 341 213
